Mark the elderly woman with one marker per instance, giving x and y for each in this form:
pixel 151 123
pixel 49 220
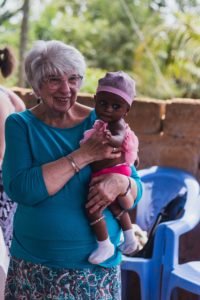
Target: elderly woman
pixel 48 174
pixel 9 103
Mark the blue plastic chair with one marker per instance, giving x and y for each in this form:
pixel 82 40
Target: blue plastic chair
pixel 160 186
pixel 187 275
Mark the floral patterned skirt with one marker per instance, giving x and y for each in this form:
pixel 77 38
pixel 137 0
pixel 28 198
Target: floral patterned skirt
pixel 7 210
pixel 30 281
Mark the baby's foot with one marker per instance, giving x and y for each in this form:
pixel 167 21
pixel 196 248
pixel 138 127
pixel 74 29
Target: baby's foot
pixel 102 253
pixel 130 243
pixel 128 248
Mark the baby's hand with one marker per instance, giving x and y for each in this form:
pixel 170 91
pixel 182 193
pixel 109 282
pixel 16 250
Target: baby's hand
pixel 107 134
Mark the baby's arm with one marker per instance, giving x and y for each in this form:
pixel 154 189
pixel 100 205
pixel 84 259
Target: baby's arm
pixel 115 134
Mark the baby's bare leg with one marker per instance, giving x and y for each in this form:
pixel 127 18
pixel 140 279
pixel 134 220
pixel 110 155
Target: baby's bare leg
pixel 130 243
pixel 105 249
pixel 98 224
pixel 121 215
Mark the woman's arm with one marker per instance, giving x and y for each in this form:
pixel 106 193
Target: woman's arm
pixel 28 184
pixel 105 189
pixel 58 172
pixel 23 182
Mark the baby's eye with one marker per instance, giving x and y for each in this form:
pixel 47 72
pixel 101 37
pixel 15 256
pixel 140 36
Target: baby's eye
pixel 102 103
pixel 116 106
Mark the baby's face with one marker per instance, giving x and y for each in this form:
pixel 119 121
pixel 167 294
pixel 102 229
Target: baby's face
pixel 110 107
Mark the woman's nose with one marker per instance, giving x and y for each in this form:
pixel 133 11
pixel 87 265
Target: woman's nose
pixel 65 85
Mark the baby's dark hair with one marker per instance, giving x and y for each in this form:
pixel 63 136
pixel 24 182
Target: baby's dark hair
pixel 7 62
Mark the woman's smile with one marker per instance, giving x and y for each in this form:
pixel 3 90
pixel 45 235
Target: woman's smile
pixel 62 100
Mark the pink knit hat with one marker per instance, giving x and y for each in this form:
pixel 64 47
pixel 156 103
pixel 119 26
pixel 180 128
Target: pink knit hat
pixel 118 83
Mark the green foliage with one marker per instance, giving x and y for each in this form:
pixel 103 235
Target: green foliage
pixel 7 14
pixel 176 50
pixel 164 58
pixel 91 80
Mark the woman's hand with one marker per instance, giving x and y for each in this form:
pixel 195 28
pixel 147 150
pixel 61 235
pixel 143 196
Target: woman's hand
pixel 105 189
pixel 97 148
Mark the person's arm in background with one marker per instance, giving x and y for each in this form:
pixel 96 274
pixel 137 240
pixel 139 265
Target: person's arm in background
pixel 16 101
pixel 6 109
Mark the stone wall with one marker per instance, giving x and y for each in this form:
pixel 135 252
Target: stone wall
pixel 169 135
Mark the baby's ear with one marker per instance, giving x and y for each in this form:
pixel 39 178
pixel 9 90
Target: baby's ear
pixel 128 108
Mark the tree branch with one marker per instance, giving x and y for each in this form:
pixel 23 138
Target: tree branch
pixel 7 15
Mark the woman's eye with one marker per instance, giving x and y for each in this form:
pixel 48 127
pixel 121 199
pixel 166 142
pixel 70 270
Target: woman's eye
pixel 54 80
pixel 73 79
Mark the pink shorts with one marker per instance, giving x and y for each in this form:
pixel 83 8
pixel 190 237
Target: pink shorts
pixel 120 169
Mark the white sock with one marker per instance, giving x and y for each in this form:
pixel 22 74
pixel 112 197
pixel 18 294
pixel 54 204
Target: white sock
pixel 130 243
pixel 105 250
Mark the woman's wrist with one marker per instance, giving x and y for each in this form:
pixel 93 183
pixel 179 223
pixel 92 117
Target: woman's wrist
pixel 73 163
pixel 78 160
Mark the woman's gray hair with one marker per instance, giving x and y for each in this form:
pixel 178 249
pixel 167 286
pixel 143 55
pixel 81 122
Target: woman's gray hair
pixel 52 58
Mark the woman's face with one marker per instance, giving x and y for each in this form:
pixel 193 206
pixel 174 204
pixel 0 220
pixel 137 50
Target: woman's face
pixel 59 93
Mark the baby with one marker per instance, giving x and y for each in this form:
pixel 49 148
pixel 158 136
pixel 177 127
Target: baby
pixel 113 99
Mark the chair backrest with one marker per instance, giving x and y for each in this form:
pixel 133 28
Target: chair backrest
pixel 172 211
pixel 160 186
pixel 174 229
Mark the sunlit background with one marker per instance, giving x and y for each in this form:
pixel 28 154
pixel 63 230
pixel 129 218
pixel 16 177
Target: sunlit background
pixel 157 42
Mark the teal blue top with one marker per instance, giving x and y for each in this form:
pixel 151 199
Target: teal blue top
pixel 51 230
